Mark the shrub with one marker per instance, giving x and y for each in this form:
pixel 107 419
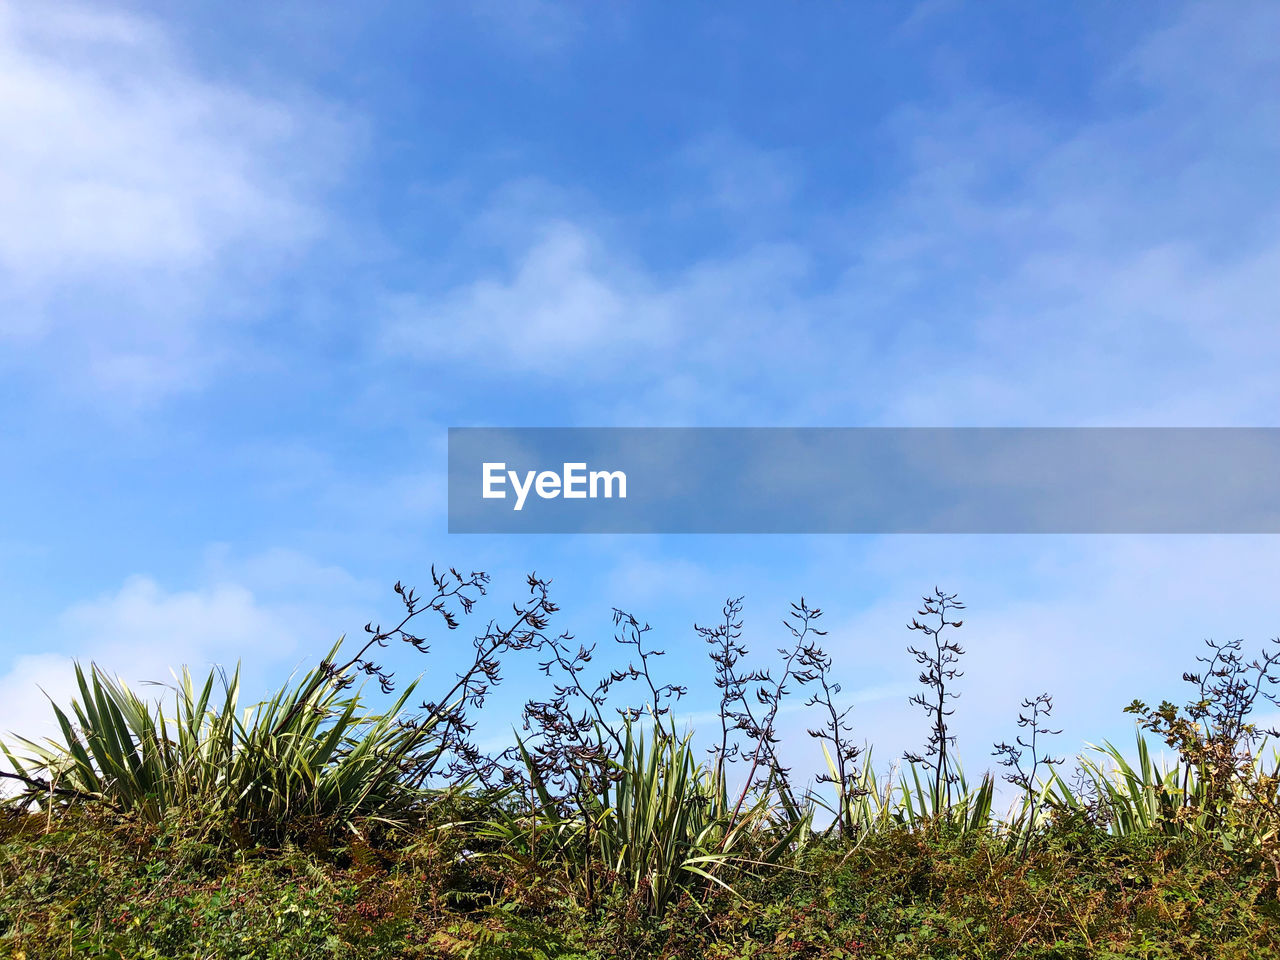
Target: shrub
pixel 308 754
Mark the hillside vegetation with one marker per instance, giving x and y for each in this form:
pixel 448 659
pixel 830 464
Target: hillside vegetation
pixel 336 820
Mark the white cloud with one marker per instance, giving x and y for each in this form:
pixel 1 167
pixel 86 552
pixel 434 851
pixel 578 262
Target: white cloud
pixel 270 609
pixel 1118 268
pixel 145 626
pixel 279 571
pixel 1115 266
pixel 141 632
pixel 1095 621
pixel 575 308
pixel 25 691
pixel 563 300
pixel 131 188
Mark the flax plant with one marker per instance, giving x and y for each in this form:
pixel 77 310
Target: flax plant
pixel 660 825
pixel 907 799
pixel 309 752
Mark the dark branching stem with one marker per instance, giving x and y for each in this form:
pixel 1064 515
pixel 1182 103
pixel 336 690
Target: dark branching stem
pixel 770 695
pixel 939 660
pixel 47 787
pixel 571 666
pixel 448 717
pixel 726 651
pixel 1033 717
pixel 1229 689
pixel 573 744
pixel 632 634
pixel 572 749
pixel 1213 733
pixel 451 586
pixel 836 731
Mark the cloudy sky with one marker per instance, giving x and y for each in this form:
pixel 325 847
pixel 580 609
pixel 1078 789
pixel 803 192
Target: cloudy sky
pixel 255 259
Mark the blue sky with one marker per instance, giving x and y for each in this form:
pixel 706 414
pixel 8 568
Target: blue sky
pixel 254 262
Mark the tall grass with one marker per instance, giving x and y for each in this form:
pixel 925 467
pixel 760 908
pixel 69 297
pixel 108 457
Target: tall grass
pixel 661 825
pixel 906 798
pixel 1131 796
pixel 307 753
pixel 1140 793
pixel 602 809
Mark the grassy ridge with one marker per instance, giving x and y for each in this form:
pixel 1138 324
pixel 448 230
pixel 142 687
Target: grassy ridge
pixel 317 824
pixel 95 886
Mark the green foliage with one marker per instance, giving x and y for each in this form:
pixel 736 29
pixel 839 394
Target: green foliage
pixel 661 826
pixel 308 754
pixel 666 822
pixel 1137 794
pixel 1132 797
pixel 117 845
pixel 91 883
pixel 872 805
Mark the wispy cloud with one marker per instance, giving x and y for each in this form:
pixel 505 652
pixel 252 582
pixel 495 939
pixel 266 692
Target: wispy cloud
pixel 572 300
pixel 272 608
pixel 1020 267
pixel 564 299
pixel 137 199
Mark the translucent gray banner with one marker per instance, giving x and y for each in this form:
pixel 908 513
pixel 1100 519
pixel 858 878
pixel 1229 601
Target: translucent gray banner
pixel 864 480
